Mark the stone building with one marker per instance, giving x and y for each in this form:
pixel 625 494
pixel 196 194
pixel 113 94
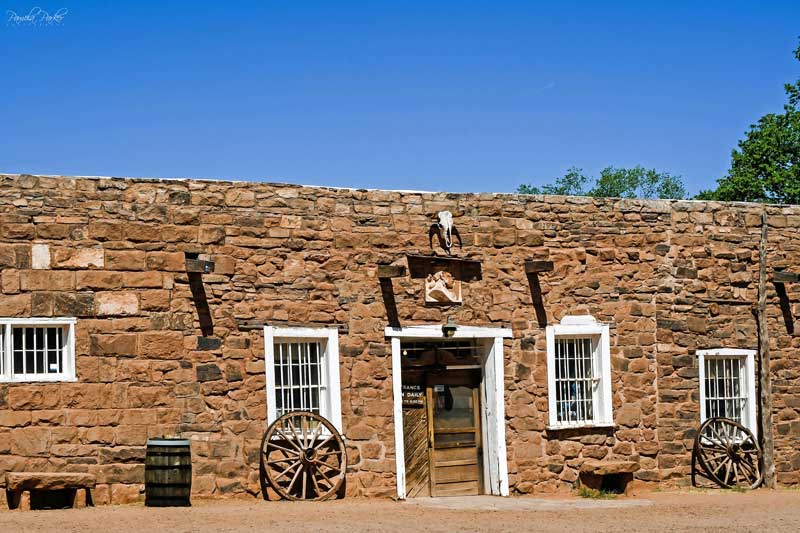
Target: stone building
pixel 587 362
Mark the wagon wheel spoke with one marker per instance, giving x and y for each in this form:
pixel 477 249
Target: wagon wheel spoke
pixel 294 432
pixel 285 450
pixel 276 461
pixel 286 471
pixel 291 439
pixel 315 435
pixel 325 477
pixel 295 478
pixel 316 485
pixel 747 471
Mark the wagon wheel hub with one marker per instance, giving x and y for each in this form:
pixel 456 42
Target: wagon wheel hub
pixel 309 456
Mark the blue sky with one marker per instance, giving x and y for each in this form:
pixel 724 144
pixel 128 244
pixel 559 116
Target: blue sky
pixel 446 95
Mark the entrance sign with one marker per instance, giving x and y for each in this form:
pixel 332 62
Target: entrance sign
pixel 413 396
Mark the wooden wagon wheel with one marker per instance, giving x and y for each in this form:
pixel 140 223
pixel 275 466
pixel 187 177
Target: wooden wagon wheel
pixel 303 457
pixel 728 453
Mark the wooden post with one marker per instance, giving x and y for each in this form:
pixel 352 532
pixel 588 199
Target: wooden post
pixel 765 380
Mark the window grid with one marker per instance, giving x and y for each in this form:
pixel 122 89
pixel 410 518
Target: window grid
pixel 299 377
pixel 575 380
pixel 725 388
pixel 37 350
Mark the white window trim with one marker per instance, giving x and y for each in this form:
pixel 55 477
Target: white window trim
pixel 581 326
pixel 68 362
pixel 330 337
pixel 749 357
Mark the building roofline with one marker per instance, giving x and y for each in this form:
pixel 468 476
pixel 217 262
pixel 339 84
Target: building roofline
pixel 547 198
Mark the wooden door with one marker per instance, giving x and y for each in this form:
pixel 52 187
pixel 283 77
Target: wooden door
pixel 415 434
pixel 454 433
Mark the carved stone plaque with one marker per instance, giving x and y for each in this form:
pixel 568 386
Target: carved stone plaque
pixel 442 288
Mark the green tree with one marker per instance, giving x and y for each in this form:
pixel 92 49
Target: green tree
pixel 613 182
pixel 573 183
pixel 766 165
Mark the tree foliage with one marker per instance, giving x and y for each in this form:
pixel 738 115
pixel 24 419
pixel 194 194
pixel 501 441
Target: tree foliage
pixel 766 165
pixel 636 182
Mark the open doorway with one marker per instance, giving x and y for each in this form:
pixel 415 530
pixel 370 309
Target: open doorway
pixel 449 411
pixel 441 417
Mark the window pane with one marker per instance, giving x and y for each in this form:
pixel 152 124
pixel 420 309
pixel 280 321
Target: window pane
pixel 725 388
pixel 38 350
pixel 299 377
pixel 574 369
pixel 18 338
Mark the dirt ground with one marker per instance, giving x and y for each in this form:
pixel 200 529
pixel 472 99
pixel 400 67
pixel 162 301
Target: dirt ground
pixel 660 511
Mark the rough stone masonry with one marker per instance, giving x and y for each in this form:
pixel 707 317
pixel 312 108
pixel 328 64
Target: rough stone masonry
pixel 667 275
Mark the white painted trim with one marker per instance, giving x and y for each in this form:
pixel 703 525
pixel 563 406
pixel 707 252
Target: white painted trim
pixel 435 332
pixel 269 368
pixel 334 385
pixel 69 356
pixel 39 321
pixel 330 339
pixel 495 461
pixel 582 326
pixel 397 408
pixel 723 352
pixel 750 371
pixel 500 481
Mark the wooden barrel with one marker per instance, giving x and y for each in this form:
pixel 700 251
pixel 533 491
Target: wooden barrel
pixel 168 473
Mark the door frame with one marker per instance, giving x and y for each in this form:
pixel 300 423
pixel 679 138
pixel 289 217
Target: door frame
pixel 495 464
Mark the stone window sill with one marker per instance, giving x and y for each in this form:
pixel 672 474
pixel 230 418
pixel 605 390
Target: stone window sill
pixel 564 427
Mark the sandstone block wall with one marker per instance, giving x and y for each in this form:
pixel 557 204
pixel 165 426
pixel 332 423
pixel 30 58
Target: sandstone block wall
pixel 670 278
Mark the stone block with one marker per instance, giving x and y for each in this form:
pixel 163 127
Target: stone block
pixel 9 281
pixel 123 344
pixel 161 344
pixel 18 305
pixel 116 303
pixel 40 256
pixel 155 300
pixel 166 261
pixel 73 304
pixel 30 442
pixel 47 280
pixel 148 279
pixel 125 260
pixel 604 468
pixel 98 280
pixel 208 343
pixel 209 372
pixel 240 198
pixel 49 480
pixel 79 258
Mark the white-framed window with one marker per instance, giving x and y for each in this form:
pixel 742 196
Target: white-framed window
pixel 728 385
pixel 37 349
pixel 302 367
pixel 579 373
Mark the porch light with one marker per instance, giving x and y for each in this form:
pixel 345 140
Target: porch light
pixel 449 329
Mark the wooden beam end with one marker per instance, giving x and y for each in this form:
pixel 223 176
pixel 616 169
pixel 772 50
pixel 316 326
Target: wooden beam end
pixel 533 267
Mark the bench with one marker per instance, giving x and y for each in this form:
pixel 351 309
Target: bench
pixel 22 486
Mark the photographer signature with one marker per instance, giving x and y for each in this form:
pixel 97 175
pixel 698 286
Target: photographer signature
pixel 37 17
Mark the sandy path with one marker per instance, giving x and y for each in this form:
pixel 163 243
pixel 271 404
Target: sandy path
pixel 682 511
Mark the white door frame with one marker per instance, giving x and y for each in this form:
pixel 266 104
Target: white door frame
pixel 495 465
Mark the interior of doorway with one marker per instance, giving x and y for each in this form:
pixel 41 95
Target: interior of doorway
pixel 442 441
pixel 490 402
